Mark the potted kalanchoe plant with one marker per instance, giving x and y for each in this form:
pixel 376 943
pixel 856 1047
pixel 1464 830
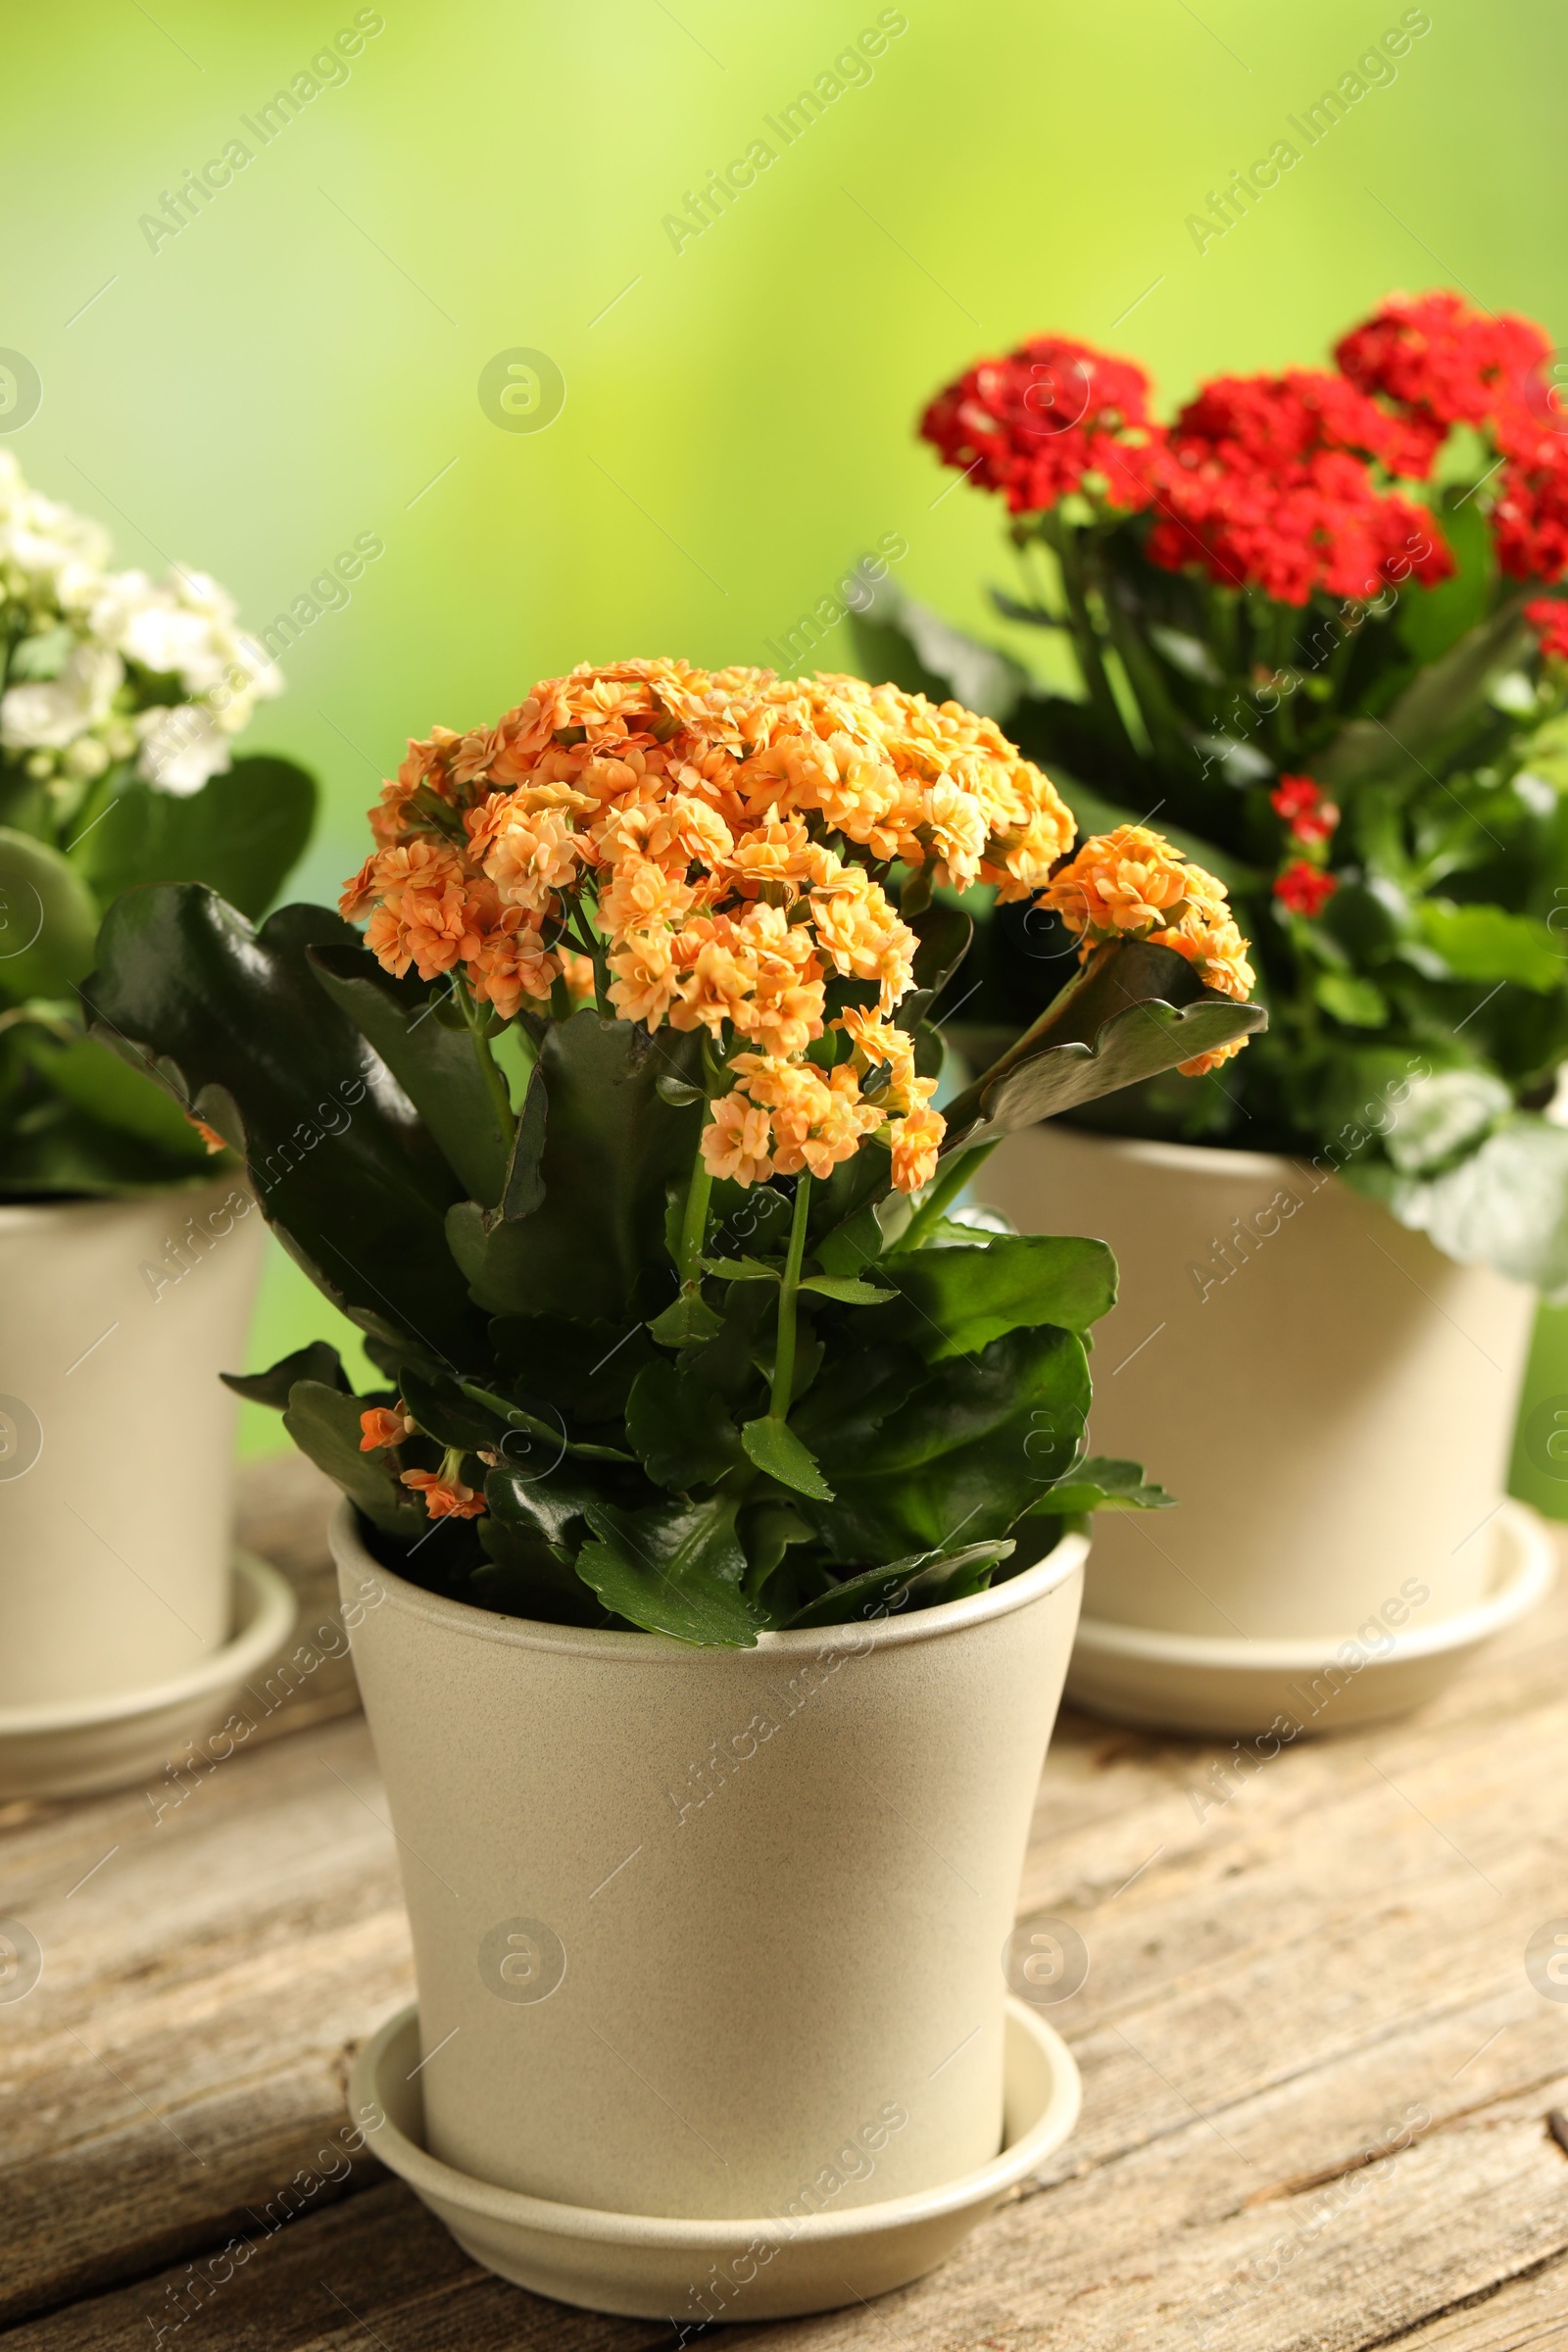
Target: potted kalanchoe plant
pixel 127 1265
pixel 713 1546
pixel 1309 623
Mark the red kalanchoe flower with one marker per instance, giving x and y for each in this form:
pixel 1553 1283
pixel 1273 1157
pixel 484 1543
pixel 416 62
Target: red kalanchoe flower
pixel 1268 484
pixel 1304 888
pixel 1299 801
pixel 1449 364
pixel 1549 617
pixel 1530 521
pixel 1034 424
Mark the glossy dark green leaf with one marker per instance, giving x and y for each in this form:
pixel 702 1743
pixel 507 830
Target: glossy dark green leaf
pixel 317 1362
pixel 342 1165
pixel 774 1447
pixel 434 1065
pixel 1437 708
pixel 1133 1011
pixel 585 1369
pixel 963 1456
pixel 674 1568
pixel 551 1504
pixel 324 1423
pixel 958 1298
pixel 846 1290
pixel 593 1247
pixel 679 1429
pixel 242 834
pixel 925 1580
pixel 1099 1484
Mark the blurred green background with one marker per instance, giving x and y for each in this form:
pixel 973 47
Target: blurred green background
pixel 301 363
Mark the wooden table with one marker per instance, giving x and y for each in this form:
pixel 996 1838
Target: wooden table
pixel 1319 2086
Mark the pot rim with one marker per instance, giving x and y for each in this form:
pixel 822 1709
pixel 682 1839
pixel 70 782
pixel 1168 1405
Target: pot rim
pixel 579 1640
pixel 1194 1159
pixel 79 1208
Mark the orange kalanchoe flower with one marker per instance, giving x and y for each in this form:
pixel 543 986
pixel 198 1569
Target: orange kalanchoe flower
pixel 209 1135
pixel 379 1426
pixel 444 1497
pixel 723 838
pixel 1132 884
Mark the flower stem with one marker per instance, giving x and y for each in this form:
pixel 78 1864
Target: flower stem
pixel 490 1070
pixel 694 1224
pixel 778 1403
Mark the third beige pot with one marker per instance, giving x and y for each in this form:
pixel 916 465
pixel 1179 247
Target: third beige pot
pixel 1330 1398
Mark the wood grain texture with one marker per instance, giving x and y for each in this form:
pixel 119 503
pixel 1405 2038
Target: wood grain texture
pixel 1317 2076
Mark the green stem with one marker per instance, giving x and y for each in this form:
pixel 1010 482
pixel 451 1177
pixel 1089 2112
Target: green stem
pixel 694 1224
pixel 490 1070
pixel 778 1403
pixel 959 1171
pixel 1062 539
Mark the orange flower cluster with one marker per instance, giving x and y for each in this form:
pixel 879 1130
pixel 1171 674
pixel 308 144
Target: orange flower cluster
pixel 1132 884
pixel 721 841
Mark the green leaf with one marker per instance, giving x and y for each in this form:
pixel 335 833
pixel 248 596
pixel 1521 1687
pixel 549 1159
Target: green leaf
pixel 1485 943
pixel 434 1065
pixel 548 1507
pixel 686 1321
pixel 592 1248
pixel 774 1447
pixel 741 1269
pixel 324 1423
pixel 48 920
pixel 910 646
pixel 241 834
pixel 1099 1484
pixel 235 1024
pixel 1133 1011
pixel 680 1430
pixel 846 1291
pixel 66 1152
pixel 103 1086
pixel 525 1177
pixel 1357 1002
pixel 963 1456
pixel 1442 1115
pixel 317 1362
pixel 584 1369
pixel 1437 712
pixel 1505 1206
pixel 674 1568
pixel 962 1296
pixel 925 1579
pixel 1432 620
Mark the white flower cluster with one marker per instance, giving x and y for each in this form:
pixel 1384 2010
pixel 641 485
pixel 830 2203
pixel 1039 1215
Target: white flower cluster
pixel 91 648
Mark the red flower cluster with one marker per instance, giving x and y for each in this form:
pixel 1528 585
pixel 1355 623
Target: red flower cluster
pixel 1282 483
pixel 1549 617
pixel 1301 801
pixel 1445 364
pixel 1034 424
pixel 1443 361
pixel 1304 888
pixel 1268 484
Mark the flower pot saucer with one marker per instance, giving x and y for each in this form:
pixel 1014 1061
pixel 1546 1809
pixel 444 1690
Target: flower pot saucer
pixel 1238 1688
pixel 645 2266
pixel 72 1747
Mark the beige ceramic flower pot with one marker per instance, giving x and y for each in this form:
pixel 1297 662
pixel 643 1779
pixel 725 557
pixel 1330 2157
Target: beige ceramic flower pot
pixel 117 1438
pixel 1329 1397
pixel 687 1922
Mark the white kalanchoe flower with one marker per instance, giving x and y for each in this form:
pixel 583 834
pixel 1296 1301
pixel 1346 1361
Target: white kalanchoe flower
pixel 49 714
pixel 123 629
pixel 180 748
